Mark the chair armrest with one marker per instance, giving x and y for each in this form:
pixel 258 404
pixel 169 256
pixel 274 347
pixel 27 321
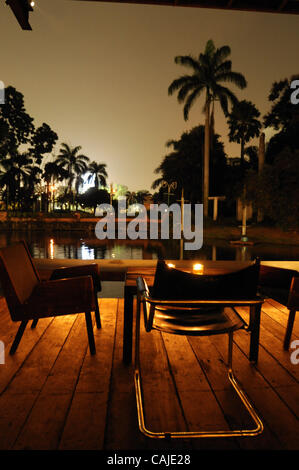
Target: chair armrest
pixel 208 302
pixel 91 269
pixel 293 300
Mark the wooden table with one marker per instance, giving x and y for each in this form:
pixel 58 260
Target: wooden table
pixel 210 267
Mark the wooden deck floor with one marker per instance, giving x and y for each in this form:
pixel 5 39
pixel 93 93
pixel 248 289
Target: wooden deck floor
pixel 54 395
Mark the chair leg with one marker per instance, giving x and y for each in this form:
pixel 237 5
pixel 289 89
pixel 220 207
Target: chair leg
pixel 97 312
pixel 34 323
pixel 18 337
pixel 289 330
pixel 91 342
pixel 193 434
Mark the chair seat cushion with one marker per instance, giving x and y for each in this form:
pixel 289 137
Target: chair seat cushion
pixel 173 284
pixel 67 272
pixel 199 322
pixel 61 297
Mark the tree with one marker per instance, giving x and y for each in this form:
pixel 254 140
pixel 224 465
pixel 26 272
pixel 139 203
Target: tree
pixel 16 170
pixel 184 163
pixel 284 118
pixel 18 131
pixel 131 197
pixel 98 172
pixel 243 125
pixel 74 163
pixel 16 122
pixel 276 190
pixel 93 197
pixel 42 142
pixel 209 70
pixel 141 195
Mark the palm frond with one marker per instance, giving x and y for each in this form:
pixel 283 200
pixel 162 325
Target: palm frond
pixel 210 48
pixel 220 55
pixel 179 82
pixel 190 101
pixel 188 61
pixel 225 66
pixel 233 77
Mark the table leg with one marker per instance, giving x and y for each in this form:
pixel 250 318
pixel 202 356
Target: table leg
pixel 128 325
pixel 255 318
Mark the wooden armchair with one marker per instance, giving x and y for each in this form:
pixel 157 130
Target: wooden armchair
pixel 281 285
pixel 29 298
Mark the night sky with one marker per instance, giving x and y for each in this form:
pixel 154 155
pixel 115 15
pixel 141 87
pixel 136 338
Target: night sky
pixel 98 73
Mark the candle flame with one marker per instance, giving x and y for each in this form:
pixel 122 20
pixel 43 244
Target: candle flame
pixel 198 267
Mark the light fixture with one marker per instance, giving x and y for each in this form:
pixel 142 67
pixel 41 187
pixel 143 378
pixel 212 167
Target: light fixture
pixel 170 265
pixel 32 4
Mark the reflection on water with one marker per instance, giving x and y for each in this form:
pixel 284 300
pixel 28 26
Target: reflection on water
pixel 75 245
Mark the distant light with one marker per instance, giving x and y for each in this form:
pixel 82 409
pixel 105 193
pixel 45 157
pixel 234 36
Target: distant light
pixel 51 248
pixel 32 4
pixel 170 265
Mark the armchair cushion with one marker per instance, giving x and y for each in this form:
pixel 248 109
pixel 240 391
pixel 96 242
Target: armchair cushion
pixel 91 269
pixel 174 284
pixel 60 297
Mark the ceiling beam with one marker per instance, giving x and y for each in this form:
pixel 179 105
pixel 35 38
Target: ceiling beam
pixel 284 7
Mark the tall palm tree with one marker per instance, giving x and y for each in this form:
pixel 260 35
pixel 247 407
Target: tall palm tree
pixel 74 163
pixel 131 197
pixel 243 125
pixel 98 172
pixel 209 70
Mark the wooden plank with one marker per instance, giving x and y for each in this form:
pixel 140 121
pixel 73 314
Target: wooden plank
pixel 36 369
pixel 274 374
pixel 214 362
pixel 90 404
pixel 200 406
pixel 86 421
pixel 14 363
pixel 31 377
pixel 278 418
pixel 121 420
pixel 44 426
pixel 271 337
pixel 280 313
pixel 14 410
pixel 162 407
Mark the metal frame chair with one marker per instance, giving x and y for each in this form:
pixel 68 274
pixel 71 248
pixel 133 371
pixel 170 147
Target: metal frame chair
pixel 167 316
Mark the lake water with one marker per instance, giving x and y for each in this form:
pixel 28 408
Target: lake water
pixel 76 245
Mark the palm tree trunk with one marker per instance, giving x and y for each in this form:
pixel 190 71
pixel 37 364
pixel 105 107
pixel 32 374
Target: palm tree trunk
pixel 206 161
pixel 242 155
pixel 261 157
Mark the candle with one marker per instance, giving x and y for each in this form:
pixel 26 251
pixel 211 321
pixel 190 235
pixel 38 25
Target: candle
pixel 198 268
